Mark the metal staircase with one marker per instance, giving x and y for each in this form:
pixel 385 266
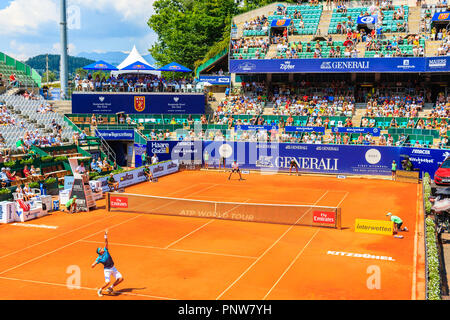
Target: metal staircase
pixel 105 148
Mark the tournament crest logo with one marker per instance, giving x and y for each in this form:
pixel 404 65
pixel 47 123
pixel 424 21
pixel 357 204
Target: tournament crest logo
pixel 139 104
pixel 443 16
pixel 281 22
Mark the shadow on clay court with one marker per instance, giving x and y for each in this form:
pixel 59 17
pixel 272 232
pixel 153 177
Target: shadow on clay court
pixel 125 290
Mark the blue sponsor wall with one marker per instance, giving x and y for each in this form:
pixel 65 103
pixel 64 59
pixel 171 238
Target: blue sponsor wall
pixel 334 159
pixel 431 64
pixel 143 103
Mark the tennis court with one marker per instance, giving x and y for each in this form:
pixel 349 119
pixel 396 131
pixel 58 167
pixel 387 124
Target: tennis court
pixel 182 257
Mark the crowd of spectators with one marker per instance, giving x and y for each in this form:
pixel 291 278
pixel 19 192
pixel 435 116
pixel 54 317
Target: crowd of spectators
pixel 260 23
pixel 393 46
pixel 242 46
pixel 6 117
pixel 35 138
pixel 395 106
pixel 444 47
pixel 240 104
pixel 133 83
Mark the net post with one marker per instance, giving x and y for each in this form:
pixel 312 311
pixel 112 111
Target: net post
pixel 108 202
pixel 338 220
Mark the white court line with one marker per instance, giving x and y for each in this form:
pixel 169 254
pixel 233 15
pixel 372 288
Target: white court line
pixel 201 190
pixel 176 241
pixel 173 249
pixel 204 225
pixel 43 255
pixel 345 196
pixel 76 229
pixel 52 238
pixel 67 245
pixel 267 250
pixel 86 288
pixel 291 264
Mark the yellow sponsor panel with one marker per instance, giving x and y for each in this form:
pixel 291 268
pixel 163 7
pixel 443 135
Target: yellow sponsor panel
pixel 374 226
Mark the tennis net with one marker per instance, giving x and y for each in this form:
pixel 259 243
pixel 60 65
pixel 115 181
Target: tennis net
pixel 306 215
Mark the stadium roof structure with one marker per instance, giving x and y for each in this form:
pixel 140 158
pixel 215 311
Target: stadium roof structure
pixel 132 58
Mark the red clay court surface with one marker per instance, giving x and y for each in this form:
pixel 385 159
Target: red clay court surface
pixel 169 257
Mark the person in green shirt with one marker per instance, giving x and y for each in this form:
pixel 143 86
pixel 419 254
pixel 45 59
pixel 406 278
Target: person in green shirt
pixel 148 173
pixel 144 158
pixel 112 184
pixel 398 222
pixel 394 170
pixel 71 205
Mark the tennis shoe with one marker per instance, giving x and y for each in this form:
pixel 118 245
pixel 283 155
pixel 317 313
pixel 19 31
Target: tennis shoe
pixel 99 292
pixel 110 290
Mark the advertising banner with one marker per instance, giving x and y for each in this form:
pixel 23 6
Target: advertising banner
pixel 145 103
pixel 254 128
pixel 441 16
pixel 373 131
pixel 367 65
pixel 280 23
pixel 374 226
pixel 437 64
pixel 324 158
pixel 116 134
pixel 216 80
pixel 139 150
pixel 133 177
pixel 304 129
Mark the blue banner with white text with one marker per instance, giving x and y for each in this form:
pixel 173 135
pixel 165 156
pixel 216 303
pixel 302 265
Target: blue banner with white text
pixel 329 158
pixel 116 134
pixel 435 64
pixel 304 129
pixel 216 80
pixel 144 103
pixel 373 131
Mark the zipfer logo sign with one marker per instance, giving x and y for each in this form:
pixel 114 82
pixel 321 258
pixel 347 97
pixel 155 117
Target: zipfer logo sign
pixel 119 202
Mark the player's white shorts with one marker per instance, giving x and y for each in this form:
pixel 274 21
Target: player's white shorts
pixel 112 271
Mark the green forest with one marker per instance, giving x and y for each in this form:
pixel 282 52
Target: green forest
pixel 39 63
pixel 193 31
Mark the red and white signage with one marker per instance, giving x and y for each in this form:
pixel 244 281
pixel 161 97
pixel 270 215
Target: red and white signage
pixel 119 202
pixel 324 217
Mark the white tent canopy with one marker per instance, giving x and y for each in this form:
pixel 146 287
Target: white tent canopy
pixel 133 57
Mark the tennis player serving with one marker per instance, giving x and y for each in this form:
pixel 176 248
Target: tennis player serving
pixel 108 264
pixel 235 168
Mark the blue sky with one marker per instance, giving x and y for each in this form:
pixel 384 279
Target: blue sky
pixel 31 27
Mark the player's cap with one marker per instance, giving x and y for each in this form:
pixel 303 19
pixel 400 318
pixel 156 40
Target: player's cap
pixel 75 196
pixel 389 214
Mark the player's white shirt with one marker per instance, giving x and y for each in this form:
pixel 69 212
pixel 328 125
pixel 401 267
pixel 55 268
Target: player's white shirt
pixel 235 165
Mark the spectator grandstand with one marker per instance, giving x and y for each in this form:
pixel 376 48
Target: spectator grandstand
pixel 134 83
